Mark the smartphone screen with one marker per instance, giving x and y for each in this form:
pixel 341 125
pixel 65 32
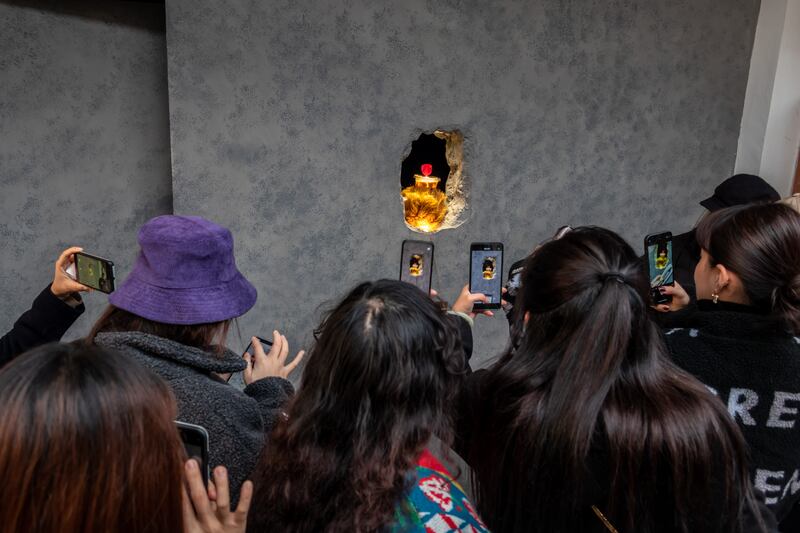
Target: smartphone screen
pixel 659 264
pixel 195 442
pixel 94 272
pixel 416 264
pixel 486 272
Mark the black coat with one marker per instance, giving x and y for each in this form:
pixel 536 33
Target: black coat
pixel 237 421
pixel 754 368
pixel 46 321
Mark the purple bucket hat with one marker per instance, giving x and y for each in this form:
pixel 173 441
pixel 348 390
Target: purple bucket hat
pixel 185 274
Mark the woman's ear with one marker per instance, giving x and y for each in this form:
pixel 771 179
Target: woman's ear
pixel 723 276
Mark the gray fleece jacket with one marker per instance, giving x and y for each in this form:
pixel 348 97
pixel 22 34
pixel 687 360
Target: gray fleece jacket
pixel 237 421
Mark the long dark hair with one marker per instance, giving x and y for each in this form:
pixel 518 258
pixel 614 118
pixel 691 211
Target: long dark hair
pixel 761 245
pixel 589 410
pixel 378 384
pixel 87 444
pixel 209 336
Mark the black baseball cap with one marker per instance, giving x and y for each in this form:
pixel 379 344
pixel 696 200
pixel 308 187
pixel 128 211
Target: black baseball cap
pixel 741 189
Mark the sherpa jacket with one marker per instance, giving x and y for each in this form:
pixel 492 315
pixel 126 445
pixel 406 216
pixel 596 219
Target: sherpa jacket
pixel 46 321
pixel 237 421
pixel 754 368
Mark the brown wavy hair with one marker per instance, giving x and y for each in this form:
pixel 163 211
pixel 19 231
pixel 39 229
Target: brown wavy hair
pixel 378 384
pixel 210 336
pixel 588 409
pixel 87 445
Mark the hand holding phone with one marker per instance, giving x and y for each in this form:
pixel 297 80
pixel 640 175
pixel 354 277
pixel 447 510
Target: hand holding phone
pixel 195 441
pixel 92 271
pixel 486 273
pixel 466 301
pixel 64 284
pixel 416 264
pixel 658 248
pixel 262 365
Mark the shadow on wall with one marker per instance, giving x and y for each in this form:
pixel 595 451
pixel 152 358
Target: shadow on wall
pixel 117 13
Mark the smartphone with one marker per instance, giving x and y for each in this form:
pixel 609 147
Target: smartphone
pixel 658 248
pixel 93 271
pixel 267 345
pixel 416 264
pixel 239 381
pixel 195 441
pixel 486 273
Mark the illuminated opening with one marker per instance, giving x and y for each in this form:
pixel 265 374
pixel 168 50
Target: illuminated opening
pixel 432 185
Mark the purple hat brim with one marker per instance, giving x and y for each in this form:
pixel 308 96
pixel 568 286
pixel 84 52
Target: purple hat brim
pixel 199 305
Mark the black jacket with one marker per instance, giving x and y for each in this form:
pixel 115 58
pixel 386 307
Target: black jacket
pixel 237 421
pixel 754 368
pixel 46 321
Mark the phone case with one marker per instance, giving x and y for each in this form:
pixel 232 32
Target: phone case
pixel 488 246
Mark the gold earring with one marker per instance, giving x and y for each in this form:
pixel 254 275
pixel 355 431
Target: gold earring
pixel 714 297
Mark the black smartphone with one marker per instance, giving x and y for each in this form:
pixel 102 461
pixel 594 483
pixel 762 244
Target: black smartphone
pixel 658 248
pixel 486 273
pixel 267 345
pixel 195 441
pixel 94 272
pixel 416 264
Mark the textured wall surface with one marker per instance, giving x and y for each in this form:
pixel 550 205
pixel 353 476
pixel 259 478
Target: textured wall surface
pixel 289 122
pixel 84 139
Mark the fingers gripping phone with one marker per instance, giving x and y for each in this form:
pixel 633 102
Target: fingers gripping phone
pixel 93 271
pixel 267 345
pixel 416 264
pixel 486 273
pixel 658 248
pixel 195 441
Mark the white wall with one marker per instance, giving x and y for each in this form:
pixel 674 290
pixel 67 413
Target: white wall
pixel 770 132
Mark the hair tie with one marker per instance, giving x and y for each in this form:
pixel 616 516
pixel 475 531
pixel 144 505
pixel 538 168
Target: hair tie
pixel 616 276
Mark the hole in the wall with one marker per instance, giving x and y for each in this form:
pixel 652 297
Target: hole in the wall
pixel 432 183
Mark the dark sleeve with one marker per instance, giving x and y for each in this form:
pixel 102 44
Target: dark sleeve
pixel 685 318
pixel 465 330
pixel 271 394
pixel 46 321
pixel 792 521
pixel 465 416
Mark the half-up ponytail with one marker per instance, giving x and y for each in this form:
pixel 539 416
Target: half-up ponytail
pixel 761 245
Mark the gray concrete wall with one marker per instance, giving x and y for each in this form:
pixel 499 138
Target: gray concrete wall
pixel 290 119
pixel 84 138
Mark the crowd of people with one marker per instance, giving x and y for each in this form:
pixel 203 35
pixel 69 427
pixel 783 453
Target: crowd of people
pixel 605 413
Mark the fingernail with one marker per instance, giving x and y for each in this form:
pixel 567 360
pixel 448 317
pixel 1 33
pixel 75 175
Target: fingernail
pixel 191 464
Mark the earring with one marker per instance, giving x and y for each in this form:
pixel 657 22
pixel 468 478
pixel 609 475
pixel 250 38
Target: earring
pixel 714 297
